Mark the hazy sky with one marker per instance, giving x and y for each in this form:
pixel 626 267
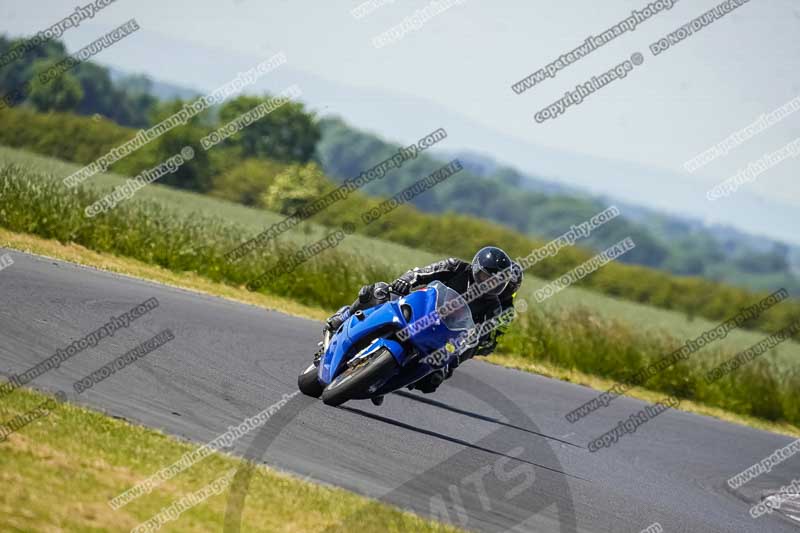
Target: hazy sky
pixel 667 110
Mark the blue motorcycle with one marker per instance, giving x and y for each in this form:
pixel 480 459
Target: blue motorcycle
pixel 366 359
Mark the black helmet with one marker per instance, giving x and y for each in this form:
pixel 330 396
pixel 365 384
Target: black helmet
pixel 487 262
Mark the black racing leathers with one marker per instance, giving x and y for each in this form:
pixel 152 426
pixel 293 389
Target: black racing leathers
pixel 457 275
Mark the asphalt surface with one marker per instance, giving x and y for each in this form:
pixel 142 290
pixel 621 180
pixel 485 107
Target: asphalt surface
pixel 490 451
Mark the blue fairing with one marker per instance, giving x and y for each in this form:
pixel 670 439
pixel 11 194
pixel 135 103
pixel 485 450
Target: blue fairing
pixel 368 333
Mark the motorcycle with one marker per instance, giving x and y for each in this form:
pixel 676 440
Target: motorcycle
pixel 366 359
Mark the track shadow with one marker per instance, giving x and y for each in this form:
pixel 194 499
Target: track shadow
pixel 452 440
pixel 486 418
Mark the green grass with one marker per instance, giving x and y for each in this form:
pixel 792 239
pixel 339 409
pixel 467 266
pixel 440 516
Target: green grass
pixel 575 329
pixel 578 339
pixel 399 258
pixel 59 472
pixel 251 220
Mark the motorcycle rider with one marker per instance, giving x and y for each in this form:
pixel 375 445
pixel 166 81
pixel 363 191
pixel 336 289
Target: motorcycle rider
pixel 459 275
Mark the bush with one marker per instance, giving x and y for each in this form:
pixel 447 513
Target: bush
pixel 294 187
pixel 246 182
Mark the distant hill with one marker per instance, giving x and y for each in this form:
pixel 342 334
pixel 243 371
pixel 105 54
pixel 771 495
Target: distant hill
pixel 159 89
pixel 543 208
pixel 486 166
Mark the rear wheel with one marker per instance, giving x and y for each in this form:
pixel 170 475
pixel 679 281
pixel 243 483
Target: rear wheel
pixel 354 382
pixel 308 383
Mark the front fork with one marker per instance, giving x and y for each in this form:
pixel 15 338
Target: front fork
pixel 323 347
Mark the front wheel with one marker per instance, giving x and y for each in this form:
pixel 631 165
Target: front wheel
pixel 308 383
pixel 354 383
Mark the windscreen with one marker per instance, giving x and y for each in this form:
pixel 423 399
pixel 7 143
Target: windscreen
pixel 459 317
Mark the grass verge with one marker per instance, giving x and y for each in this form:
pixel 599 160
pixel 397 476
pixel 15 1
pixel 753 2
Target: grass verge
pixel 601 384
pixel 63 483
pixel 78 254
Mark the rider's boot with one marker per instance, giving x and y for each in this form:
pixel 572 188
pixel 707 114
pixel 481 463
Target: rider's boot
pixel 377 400
pixel 431 382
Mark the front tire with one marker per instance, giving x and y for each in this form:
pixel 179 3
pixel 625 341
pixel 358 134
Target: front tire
pixel 354 382
pixel 308 383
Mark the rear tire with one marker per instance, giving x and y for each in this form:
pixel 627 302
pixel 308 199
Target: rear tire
pixel 354 382
pixel 308 383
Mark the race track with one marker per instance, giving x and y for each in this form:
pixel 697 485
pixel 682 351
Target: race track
pixel 491 449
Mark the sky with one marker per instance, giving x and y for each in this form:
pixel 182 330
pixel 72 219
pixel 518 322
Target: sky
pixel 462 62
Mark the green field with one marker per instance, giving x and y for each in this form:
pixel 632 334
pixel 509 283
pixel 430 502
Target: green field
pixel 643 318
pixel 255 220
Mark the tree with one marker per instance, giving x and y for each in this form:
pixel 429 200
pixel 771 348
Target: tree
pixel 294 187
pixel 246 182
pixel 195 174
pixel 135 93
pixel 126 101
pixel 97 90
pixel 287 134
pixel 62 93
pixel 19 71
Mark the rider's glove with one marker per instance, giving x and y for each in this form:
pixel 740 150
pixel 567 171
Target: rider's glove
pixel 380 291
pixel 401 286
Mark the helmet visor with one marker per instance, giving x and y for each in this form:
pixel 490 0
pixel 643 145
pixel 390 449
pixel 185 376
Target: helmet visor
pixel 494 283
